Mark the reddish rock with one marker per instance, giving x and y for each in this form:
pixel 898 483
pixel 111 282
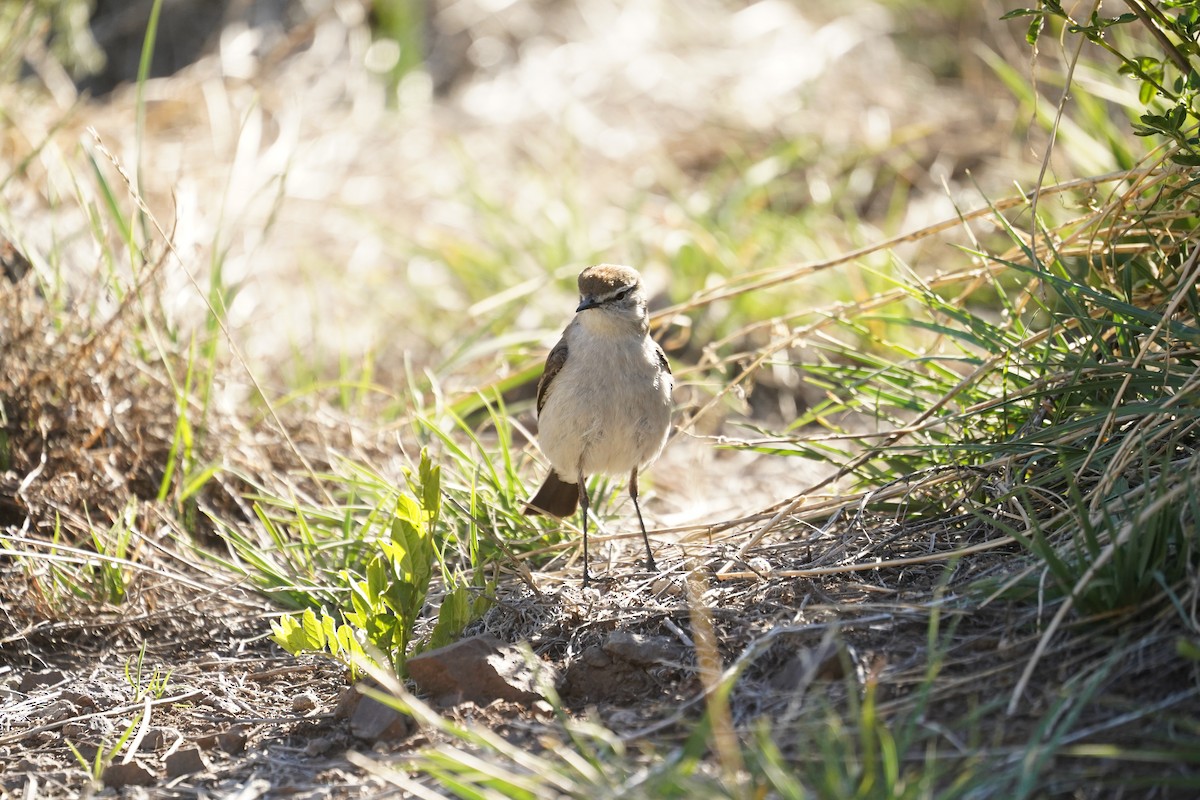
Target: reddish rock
pixel 40 680
pixel 378 722
pixel 480 669
pixel 232 741
pixel 117 776
pixel 184 761
pixel 305 701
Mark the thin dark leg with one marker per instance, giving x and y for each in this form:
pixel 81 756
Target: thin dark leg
pixel 633 492
pixel 583 503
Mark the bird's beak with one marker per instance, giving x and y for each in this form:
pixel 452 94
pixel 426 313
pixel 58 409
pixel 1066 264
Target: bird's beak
pixel 585 303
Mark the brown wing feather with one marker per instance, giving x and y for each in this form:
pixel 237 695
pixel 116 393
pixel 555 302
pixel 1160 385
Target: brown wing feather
pixel 554 363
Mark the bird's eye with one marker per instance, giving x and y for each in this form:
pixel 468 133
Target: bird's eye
pixel 621 295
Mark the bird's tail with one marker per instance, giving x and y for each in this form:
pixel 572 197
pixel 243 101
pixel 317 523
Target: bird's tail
pixel 556 498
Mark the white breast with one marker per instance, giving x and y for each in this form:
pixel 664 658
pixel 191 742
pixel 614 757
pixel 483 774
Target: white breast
pixel 609 408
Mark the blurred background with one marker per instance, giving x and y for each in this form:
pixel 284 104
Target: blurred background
pixel 397 196
pixel 362 175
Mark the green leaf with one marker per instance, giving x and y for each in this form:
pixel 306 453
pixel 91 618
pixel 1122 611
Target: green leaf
pixel 348 641
pixel 1188 649
pixel 314 633
pixel 300 636
pixel 329 633
pixel 1035 30
pixel 453 616
pixel 431 485
pixel 378 580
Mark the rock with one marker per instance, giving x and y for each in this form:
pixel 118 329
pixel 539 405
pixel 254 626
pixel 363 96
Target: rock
pixel 58 711
pixel 644 651
pixel 118 776
pixel 318 747
pixel 232 741
pixel 81 699
pixel 480 669
pixel 617 672
pixel 305 701
pixel 40 680
pixel 184 761
pixel 375 721
pixel 347 702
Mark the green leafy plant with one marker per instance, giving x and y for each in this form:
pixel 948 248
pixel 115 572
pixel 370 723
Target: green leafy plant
pixel 155 684
pixel 387 597
pixel 1168 80
pixel 309 633
pixel 110 575
pixel 104 756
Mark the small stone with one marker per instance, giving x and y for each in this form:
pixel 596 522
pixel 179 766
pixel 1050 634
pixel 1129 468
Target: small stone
pixel 305 701
pixel 595 656
pixel 80 699
pixel 184 761
pixel 58 711
pixel 375 721
pixel 232 741
pixel 347 702
pixel 118 776
pixel 318 747
pixel 644 651
pixel 40 680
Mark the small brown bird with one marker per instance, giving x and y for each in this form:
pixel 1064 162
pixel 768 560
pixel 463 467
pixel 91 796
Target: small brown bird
pixel 604 400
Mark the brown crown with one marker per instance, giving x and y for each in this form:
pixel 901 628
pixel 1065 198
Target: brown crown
pixel 602 279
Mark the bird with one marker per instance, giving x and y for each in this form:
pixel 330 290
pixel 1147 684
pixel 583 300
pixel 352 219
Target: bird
pixel 604 398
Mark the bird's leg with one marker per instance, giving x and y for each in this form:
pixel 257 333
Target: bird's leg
pixel 633 492
pixel 583 503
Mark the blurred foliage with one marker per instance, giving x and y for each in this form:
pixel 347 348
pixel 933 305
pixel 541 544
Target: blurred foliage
pixel 399 30
pixel 62 24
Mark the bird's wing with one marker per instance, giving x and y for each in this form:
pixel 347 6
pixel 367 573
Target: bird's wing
pixel 662 358
pixel 554 363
